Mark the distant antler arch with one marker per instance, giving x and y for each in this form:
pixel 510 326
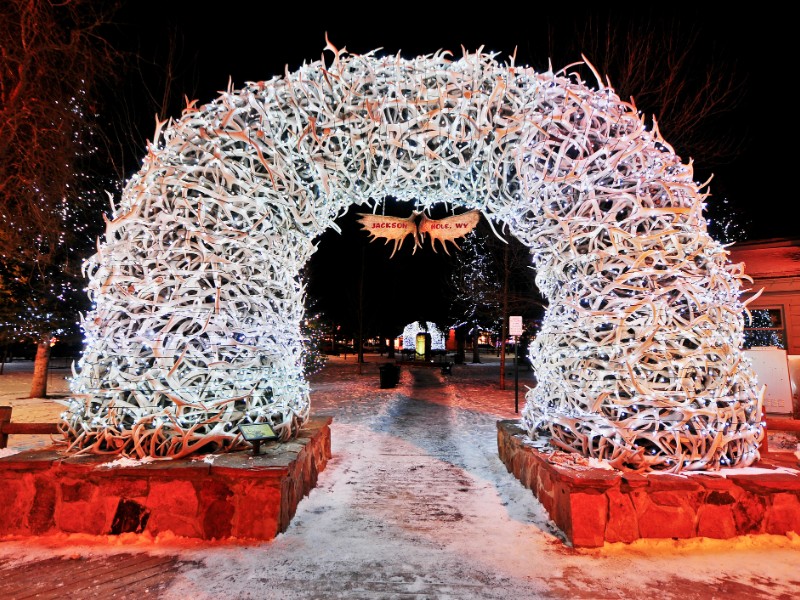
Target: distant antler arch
pixel 197 288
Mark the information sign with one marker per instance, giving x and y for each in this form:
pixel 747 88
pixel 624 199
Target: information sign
pixel 255 433
pixel 514 325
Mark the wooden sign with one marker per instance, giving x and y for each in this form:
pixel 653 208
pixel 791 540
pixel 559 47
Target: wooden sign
pixel 391 229
pixel 396 229
pixel 448 229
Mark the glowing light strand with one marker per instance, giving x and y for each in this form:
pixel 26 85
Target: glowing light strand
pixel 411 330
pixel 197 288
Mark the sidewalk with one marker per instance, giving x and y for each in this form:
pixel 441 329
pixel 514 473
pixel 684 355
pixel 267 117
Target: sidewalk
pixel 15 386
pixel 415 503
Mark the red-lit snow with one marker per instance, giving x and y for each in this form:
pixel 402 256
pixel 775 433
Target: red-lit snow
pixel 416 503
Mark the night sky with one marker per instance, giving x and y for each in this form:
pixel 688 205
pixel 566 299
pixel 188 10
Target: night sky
pixel 252 41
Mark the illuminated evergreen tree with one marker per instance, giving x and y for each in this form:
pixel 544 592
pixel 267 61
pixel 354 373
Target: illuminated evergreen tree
pixel 52 56
pixel 476 290
pixel 726 223
pixel 758 333
pixel 315 332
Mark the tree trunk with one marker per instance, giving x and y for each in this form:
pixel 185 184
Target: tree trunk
pixel 40 367
pixel 476 357
pixel 360 349
pixel 390 347
pixel 504 322
pixel 461 345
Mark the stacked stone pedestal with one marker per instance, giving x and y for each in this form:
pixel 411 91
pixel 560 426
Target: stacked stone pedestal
pixel 226 496
pixel 592 505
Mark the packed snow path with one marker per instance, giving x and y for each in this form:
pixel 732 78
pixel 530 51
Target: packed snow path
pixel 415 503
pixel 409 504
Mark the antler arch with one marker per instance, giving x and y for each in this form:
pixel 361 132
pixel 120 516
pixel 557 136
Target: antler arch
pixel 198 296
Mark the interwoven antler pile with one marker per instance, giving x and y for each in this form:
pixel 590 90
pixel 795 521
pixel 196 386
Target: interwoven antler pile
pixel 197 289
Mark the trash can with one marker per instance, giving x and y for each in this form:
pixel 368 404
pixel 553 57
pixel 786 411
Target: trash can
pixel 390 374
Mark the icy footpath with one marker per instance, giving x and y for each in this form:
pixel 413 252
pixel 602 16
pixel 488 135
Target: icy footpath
pixel 415 503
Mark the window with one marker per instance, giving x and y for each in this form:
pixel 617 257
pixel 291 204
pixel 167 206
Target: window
pixel 764 328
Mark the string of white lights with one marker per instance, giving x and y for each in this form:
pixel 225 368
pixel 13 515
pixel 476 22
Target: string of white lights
pixel 411 331
pixel 198 296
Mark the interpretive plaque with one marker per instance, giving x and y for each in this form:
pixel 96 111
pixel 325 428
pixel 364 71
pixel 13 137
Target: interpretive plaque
pixel 255 433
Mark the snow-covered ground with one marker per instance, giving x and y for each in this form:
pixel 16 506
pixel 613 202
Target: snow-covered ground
pixel 416 503
pixel 15 387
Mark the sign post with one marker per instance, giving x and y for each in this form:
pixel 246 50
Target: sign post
pixel 515 329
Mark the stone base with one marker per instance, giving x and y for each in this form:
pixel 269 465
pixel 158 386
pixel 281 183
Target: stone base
pixel 229 496
pixel 592 506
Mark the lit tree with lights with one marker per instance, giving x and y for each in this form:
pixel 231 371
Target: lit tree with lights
pixel 52 57
pixel 726 222
pixel 517 292
pixel 502 266
pixel 475 290
pixel 761 332
pixel 315 331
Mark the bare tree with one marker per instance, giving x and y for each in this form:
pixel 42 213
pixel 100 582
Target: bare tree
pixel 162 75
pixel 654 61
pixel 52 57
pixel 517 293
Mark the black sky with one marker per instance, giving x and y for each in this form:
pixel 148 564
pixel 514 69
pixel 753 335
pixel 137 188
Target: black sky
pixel 252 41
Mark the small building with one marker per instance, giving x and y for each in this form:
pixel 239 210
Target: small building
pixel 772 335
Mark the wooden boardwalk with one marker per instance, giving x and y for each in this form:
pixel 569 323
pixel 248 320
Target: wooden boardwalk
pixel 119 576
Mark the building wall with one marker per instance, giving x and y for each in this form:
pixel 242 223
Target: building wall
pixel 774 266
pixel 790 303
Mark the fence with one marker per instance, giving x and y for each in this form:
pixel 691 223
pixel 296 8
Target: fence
pixel 8 428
